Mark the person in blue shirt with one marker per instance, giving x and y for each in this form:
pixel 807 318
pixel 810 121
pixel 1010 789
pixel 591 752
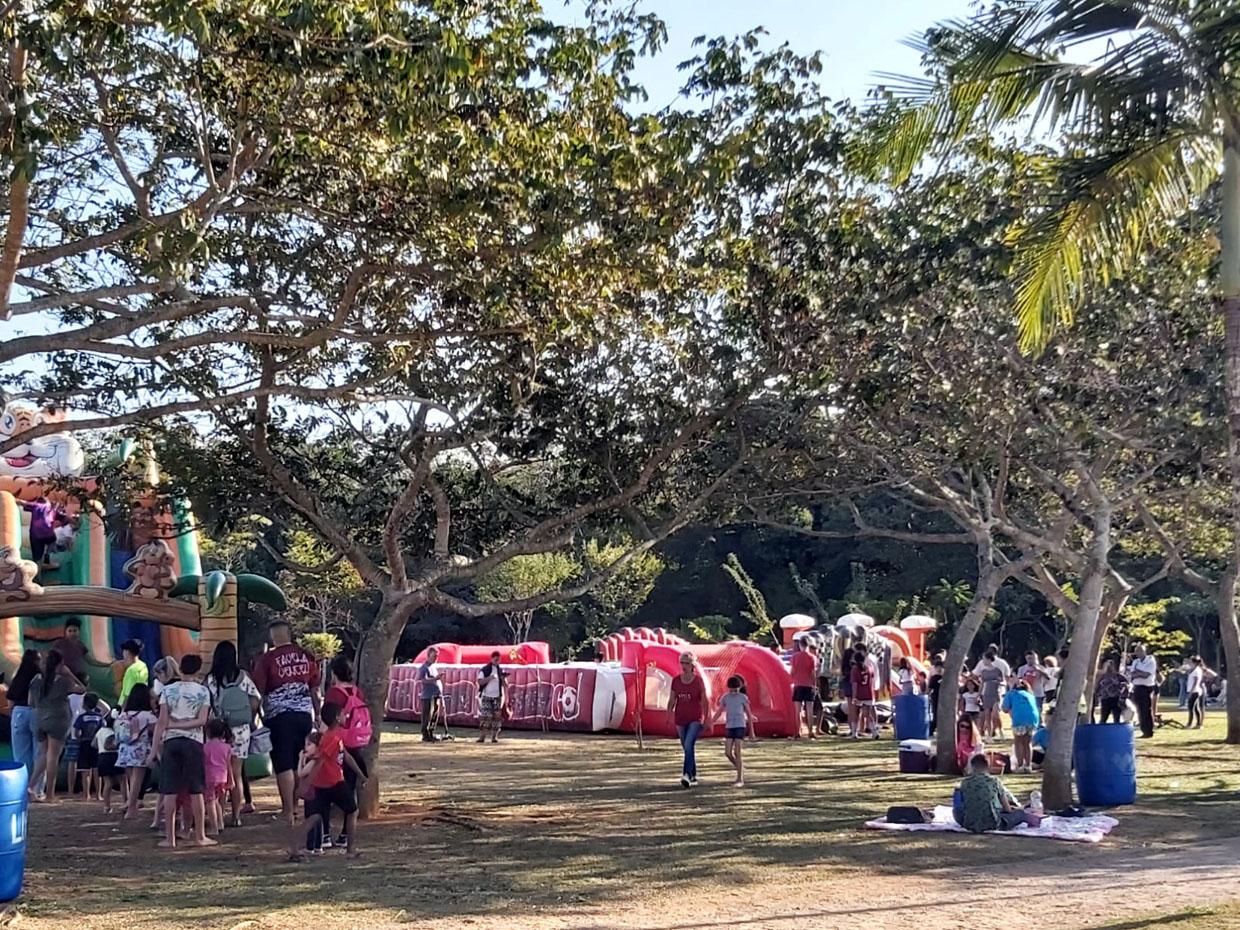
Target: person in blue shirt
pixel 1023 708
pixel 1039 744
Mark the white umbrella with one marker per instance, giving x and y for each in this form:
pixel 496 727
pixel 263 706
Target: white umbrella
pixel 919 622
pixel 797 622
pixel 852 621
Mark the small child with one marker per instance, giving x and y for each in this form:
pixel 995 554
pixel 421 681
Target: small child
pixel 307 762
pixel 971 699
pixel 217 760
pixel 87 724
pixel 106 746
pixel 738 723
pixel 326 777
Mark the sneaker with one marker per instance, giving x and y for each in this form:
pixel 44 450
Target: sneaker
pixel 684 781
pixel 342 841
pixel 693 782
pixel 327 842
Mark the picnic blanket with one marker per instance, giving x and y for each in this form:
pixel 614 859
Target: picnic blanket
pixel 1091 829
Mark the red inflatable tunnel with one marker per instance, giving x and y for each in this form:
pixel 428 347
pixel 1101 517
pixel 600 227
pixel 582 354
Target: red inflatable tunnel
pixel 767 682
pixel 533 653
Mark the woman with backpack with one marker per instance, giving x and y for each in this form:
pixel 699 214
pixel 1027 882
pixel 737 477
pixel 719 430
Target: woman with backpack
pixel 355 721
pixel 235 700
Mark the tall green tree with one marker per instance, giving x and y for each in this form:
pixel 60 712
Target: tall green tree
pixel 1142 95
pixel 447 296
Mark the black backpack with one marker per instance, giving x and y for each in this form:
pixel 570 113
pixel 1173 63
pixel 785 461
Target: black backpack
pixel 905 815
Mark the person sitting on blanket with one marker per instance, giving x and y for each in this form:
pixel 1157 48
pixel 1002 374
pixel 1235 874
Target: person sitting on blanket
pixel 983 804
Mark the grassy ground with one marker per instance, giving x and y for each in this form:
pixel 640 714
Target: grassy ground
pixel 1226 917
pixel 560 825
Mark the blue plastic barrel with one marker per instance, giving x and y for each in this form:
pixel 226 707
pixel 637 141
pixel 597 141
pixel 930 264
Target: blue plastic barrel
pixel 12 829
pixel 1105 758
pixel 912 716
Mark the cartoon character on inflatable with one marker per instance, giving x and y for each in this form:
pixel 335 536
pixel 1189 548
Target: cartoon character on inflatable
pixel 47 456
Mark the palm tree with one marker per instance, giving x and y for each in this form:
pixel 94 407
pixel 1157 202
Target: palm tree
pixel 1145 96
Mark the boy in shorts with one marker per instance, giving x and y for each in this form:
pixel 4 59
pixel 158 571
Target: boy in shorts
pixel 85 726
pixel 737 722
pixel 184 707
pixel 330 788
pixel 106 749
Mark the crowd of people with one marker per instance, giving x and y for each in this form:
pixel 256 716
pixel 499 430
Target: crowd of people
pixel 183 732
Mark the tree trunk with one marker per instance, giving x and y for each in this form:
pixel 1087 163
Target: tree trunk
pixel 19 189
pixel 989 580
pixel 374 672
pixel 1229 284
pixel 1057 769
pixel 1105 619
pixel 1229 634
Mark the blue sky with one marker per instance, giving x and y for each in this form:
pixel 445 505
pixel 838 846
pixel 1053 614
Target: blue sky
pixel 858 37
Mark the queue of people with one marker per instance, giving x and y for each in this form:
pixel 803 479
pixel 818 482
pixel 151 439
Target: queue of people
pixel 183 732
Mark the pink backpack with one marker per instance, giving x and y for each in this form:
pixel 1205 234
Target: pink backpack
pixel 356 718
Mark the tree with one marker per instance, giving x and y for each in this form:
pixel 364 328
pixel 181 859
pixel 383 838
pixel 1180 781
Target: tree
pixel 612 603
pixel 523 578
pixel 1149 123
pixel 534 326
pixel 763 624
pixel 1044 465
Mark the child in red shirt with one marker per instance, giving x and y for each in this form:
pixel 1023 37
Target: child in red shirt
pixel 326 780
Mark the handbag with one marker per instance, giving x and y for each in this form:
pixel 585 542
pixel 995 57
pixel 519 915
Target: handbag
pixel 260 742
pixel 905 815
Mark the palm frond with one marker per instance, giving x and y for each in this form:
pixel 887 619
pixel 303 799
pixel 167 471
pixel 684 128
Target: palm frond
pixel 1107 210
pixel 997 66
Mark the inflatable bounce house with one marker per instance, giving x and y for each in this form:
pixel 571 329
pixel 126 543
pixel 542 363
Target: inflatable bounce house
pixel 626 690
pixel 144 582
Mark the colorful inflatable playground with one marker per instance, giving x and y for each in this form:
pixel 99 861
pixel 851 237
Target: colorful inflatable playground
pixel 139 581
pixel 626 689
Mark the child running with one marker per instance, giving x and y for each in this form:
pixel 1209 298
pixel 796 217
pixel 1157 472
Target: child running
pixel 330 788
pixel 734 707
pixel 217 759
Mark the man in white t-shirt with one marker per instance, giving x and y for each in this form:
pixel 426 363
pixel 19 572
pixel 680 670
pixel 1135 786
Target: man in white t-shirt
pixel 1143 674
pixel 491 687
pixel 999 662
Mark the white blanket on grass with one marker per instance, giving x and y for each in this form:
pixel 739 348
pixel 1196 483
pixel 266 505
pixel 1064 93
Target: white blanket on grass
pixel 1091 829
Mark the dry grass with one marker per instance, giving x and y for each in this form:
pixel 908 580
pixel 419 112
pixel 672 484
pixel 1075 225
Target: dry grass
pixel 541 826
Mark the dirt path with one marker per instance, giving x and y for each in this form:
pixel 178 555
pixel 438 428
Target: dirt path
pixel 1111 888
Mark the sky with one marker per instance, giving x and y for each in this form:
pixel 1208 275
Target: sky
pixel 858 37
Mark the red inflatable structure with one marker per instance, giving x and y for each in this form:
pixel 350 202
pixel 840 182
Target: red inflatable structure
pixel 532 653
pixel 627 690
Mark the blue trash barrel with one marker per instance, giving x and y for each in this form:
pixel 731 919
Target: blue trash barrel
pixel 12 829
pixel 1105 758
pixel 912 716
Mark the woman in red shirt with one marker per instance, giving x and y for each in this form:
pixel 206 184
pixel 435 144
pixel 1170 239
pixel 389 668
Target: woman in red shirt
pixel 687 706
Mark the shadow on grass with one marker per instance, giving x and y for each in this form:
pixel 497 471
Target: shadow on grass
pixel 570 822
